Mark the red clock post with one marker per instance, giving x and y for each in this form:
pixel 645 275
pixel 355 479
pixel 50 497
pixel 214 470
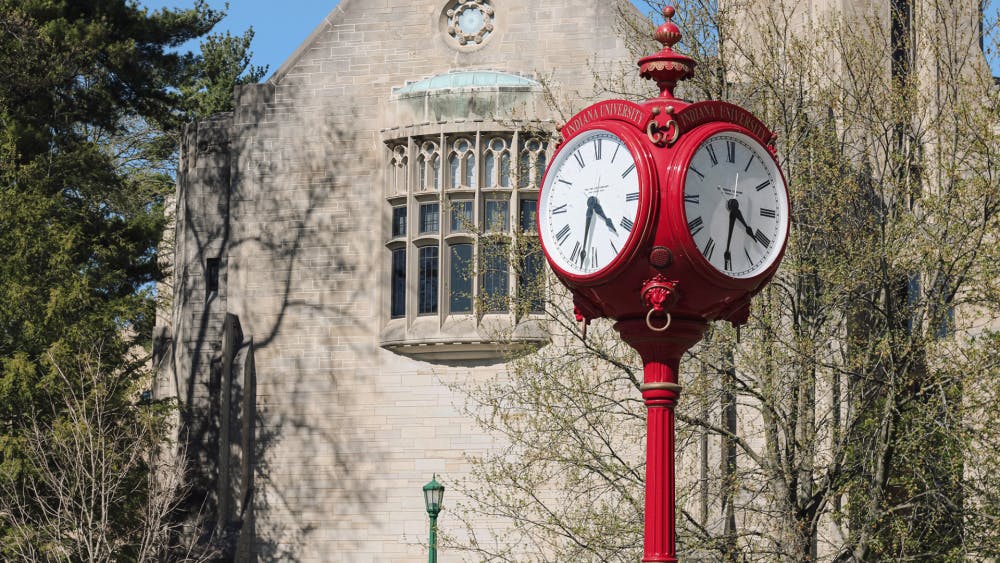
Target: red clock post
pixel 663 216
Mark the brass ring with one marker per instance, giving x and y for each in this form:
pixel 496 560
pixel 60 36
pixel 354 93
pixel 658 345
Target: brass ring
pixel 649 323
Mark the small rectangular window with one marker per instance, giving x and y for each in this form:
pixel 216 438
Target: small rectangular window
pixel 529 215
pixel 427 280
pixel 496 271
pixel 429 218
pixel 399 221
pixel 212 276
pixel 461 276
pixel 497 215
pixel 505 170
pixel 531 277
pixel 461 216
pixel 398 284
pixel 540 167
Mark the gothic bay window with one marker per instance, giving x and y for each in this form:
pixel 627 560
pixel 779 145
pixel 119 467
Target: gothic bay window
pixel 464 254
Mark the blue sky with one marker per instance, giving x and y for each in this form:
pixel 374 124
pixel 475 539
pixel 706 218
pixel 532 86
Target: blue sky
pixel 280 26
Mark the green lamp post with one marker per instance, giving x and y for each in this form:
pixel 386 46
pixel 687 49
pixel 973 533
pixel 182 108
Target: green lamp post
pixel 433 495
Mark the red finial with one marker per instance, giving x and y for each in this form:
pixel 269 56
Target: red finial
pixel 667 67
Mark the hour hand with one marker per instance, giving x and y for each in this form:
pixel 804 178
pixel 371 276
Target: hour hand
pixel 739 217
pixel 600 211
pixel 734 212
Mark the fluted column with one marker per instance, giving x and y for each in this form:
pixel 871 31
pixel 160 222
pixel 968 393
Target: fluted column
pixel 661 353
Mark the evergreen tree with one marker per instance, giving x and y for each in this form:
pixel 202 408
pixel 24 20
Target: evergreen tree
pixel 92 95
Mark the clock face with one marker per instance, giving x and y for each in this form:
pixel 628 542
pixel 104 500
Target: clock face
pixel 735 205
pixel 589 202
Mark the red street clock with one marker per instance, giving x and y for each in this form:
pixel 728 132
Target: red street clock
pixel 663 216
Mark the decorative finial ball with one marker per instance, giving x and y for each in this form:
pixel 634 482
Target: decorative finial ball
pixel 668 33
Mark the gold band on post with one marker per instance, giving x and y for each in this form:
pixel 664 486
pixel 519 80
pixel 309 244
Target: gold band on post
pixel 660 385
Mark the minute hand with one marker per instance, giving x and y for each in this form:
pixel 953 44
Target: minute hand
pixel 587 232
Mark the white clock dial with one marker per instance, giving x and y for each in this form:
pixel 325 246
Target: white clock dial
pixel 735 204
pixel 589 202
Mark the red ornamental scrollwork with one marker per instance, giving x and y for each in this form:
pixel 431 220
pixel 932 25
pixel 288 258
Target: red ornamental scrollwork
pixel 663 135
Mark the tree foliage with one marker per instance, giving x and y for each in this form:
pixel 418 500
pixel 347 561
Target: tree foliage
pixel 225 63
pixel 92 95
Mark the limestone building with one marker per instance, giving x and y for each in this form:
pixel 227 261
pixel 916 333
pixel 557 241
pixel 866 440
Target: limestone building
pixel 324 235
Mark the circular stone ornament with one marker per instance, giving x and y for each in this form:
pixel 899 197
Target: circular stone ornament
pixel 470 22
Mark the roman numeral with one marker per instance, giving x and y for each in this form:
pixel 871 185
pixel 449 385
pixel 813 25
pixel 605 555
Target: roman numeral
pixel 579 159
pixel 747 252
pixel 617 146
pixel 762 238
pixel 593 257
pixel 708 249
pixel 634 196
pixel 613 247
pixel 731 151
pixel 567 182
pixel 695 225
pixel 695 170
pixel 559 209
pixel 749 162
pixel 728 261
pixel 711 154
pixel 628 170
pixel 562 235
pixel 763 185
pixel 575 253
pixel 692 198
pixel 597 149
pixel 627 224
pixel 768 213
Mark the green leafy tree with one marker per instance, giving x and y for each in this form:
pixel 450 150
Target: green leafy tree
pixel 92 95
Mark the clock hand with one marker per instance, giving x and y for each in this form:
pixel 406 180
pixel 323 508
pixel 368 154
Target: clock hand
pixel 586 230
pixel 734 211
pixel 729 239
pixel 600 211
